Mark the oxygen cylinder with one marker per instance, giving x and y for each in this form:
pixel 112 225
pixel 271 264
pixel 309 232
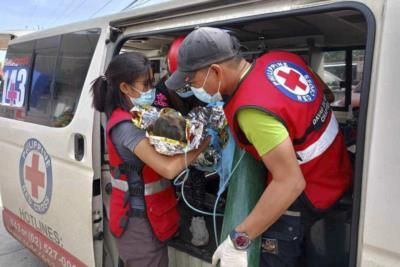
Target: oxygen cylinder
pixel 245 188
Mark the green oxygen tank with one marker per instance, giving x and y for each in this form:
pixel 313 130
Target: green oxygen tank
pixel 245 188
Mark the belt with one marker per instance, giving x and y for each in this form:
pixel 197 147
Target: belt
pixel 136 191
pixel 126 168
pixel 137 213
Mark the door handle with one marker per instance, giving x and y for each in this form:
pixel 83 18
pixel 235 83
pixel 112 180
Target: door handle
pixel 79 145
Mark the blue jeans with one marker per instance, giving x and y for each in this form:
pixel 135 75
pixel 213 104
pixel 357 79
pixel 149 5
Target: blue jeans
pixel 283 243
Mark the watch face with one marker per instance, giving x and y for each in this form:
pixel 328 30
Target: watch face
pixel 242 241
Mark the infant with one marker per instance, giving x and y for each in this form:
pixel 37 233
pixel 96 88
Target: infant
pixel 170 125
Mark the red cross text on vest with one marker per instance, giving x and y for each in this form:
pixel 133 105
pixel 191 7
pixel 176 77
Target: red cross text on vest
pixel 292 80
pixel 35 176
pixel 12 94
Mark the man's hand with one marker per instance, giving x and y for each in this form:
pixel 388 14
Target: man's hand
pixel 286 186
pixel 229 255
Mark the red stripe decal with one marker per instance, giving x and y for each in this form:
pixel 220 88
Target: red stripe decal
pixel 47 250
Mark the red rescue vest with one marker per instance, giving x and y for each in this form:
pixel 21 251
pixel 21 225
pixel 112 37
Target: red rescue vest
pixel 281 84
pixel 159 194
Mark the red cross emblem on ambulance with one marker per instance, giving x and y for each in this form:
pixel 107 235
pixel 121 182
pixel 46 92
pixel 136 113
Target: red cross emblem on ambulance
pixel 36 175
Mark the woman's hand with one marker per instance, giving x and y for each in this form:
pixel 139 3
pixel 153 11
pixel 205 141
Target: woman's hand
pixel 167 166
pixel 204 144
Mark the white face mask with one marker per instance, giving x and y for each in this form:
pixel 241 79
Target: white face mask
pixel 205 97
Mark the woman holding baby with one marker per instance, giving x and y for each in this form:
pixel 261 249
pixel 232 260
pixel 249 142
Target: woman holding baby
pixel 143 210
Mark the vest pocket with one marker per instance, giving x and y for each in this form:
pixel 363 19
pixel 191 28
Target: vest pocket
pixel 162 213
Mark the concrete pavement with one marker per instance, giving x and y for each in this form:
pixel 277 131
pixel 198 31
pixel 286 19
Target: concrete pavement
pixel 12 253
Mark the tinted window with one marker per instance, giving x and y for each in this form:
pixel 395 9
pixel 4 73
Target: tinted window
pixel 54 78
pixel 75 56
pixel 16 72
pixel 44 65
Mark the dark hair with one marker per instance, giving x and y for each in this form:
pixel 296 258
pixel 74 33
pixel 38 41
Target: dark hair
pixel 171 126
pixel 127 67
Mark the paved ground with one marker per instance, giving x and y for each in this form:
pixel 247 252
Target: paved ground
pixel 12 253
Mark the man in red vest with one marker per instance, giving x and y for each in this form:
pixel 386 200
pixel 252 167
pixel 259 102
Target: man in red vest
pixel 277 112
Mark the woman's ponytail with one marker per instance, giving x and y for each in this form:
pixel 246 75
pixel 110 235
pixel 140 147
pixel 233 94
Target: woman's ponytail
pixel 127 68
pixel 99 92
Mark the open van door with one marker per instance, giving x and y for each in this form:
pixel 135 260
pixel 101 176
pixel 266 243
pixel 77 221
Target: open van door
pixel 48 181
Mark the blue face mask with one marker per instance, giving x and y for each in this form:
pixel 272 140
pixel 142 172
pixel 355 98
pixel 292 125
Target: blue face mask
pixel 145 98
pixel 203 96
pixel 184 94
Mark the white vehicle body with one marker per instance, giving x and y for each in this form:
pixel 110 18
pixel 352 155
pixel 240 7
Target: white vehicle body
pixel 61 217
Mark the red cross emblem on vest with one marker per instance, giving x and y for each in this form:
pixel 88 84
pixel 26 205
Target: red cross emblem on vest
pixel 35 176
pixel 292 80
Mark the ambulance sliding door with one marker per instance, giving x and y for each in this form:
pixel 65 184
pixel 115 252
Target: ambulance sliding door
pixel 47 127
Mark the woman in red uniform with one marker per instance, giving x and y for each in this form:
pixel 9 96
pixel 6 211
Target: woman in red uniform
pixel 143 204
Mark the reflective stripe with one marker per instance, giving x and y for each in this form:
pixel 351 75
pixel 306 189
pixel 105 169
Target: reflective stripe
pixel 120 184
pixel 149 189
pixel 321 145
pixel 155 187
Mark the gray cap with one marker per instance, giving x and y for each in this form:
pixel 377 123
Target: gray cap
pixel 201 48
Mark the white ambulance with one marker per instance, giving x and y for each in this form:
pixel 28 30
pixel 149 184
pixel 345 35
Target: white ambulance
pixel 54 175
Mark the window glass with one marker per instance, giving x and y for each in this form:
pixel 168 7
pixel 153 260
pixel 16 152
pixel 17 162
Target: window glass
pixel 358 67
pixel 2 58
pixel 75 56
pixel 41 86
pixel 335 75
pixel 46 89
pixel 42 80
pixel 15 83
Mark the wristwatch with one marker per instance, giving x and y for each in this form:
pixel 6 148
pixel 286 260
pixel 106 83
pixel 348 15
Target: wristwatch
pixel 241 241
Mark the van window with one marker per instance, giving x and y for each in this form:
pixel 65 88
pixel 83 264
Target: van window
pixel 57 73
pixel 335 74
pixel 335 69
pixel 44 65
pixel 15 79
pixel 76 54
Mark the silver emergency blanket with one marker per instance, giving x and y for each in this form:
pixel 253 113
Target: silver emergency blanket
pixel 207 160
pixel 171 147
pixel 143 117
pixel 200 122
pixel 211 116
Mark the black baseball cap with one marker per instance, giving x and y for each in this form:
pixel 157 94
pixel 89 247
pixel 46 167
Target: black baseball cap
pixel 201 48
